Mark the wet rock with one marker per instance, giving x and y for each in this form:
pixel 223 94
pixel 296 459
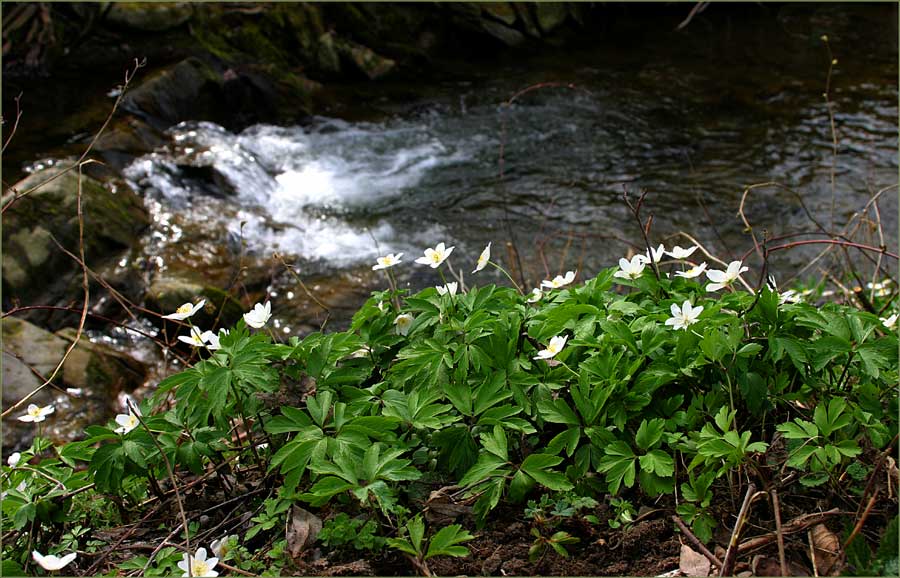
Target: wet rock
pixel 365 60
pixel 506 35
pixel 528 23
pixel 188 90
pixel 502 11
pixel 550 15
pixel 98 371
pixel 167 293
pixel 149 16
pixel 34 268
pixel 327 57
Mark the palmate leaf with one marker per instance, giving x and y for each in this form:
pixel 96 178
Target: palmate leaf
pixel 444 542
pixel 487 466
pixel 496 443
pixel 537 466
pixel 520 485
pixel 619 466
pixel 324 489
pixel 108 467
pixel 557 411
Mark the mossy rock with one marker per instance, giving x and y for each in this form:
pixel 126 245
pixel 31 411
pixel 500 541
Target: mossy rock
pixel 99 371
pixel 188 90
pixel 166 294
pixel 149 16
pixel 33 266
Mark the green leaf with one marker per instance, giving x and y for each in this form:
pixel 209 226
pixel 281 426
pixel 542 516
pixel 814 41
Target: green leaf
pixel 496 443
pixel 658 462
pixel 557 411
pixel 487 465
pixel 538 467
pixel 443 543
pixel 649 433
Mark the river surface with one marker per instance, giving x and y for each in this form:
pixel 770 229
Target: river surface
pixel 692 118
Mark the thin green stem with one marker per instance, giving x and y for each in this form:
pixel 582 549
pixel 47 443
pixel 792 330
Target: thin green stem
pixel 505 272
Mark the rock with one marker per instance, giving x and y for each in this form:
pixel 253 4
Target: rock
pixel 528 21
pixel 149 16
pixel 506 35
pixel 550 15
pixel 365 60
pixel 502 11
pixel 34 268
pixel 327 58
pixel 99 371
pixel 188 90
pixel 167 293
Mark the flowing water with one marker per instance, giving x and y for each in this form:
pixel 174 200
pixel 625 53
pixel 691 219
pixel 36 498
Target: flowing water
pixel 693 119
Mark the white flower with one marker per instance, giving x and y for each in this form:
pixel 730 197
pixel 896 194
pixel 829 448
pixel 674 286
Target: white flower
pixel 36 413
pixel 51 562
pixel 195 338
pixel 185 311
pixel 127 422
pixel 679 253
pixel 724 278
pixel 888 322
pixel 387 261
pixel 200 566
pixel 685 316
pixel 434 257
pixel 13 459
pixel 556 345
pixel 212 340
pixel 259 316
pixel 536 295
pixel 694 271
pixel 483 259
pixel 631 269
pixel 655 255
pixel 448 288
pixel 403 323
pixel 559 281
pixel 221 547
pixel 75 391
pixel 789 296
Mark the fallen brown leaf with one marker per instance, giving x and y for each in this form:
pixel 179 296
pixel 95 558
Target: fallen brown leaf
pixel 829 556
pixel 301 531
pixel 693 563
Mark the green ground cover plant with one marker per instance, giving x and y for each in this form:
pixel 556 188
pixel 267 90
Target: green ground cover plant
pixel 633 387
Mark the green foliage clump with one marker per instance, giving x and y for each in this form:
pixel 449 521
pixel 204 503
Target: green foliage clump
pixel 629 407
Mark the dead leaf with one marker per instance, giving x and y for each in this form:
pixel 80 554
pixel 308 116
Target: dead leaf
pixel 301 531
pixel 765 566
pixel 828 552
pixel 693 563
pixel 442 508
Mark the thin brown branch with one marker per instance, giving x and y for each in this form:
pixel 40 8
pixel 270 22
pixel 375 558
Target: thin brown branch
pixel 696 542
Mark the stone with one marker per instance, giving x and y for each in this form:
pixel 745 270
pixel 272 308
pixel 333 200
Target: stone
pixel 365 60
pixel 188 90
pixel 506 35
pixel 34 268
pixel 149 16
pixel 166 293
pixel 528 22
pixel 99 371
pixel 550 15
pixel 502 11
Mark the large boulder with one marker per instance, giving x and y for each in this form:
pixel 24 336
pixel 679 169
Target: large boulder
pixel 94 374
pixel 34 268
pixel 183 91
